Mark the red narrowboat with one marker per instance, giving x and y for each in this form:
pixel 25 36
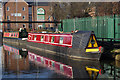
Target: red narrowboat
pixel 81 44
pixel 15 34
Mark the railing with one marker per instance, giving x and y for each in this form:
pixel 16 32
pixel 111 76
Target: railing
pixel 105 39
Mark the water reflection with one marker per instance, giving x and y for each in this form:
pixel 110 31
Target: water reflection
pixel 15 59
pixel 20 63
pixel 110 69
pixel 17 63
pixel 1 58
pixel 51 64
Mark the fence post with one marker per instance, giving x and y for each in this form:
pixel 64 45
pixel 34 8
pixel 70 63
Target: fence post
pixel 74 24
pixel 97 26
pixel 114 28
pixel 62 25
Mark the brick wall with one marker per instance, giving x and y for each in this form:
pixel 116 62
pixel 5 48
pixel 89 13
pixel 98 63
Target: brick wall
pixel 34 16
pixel 13 9
pixel 18 8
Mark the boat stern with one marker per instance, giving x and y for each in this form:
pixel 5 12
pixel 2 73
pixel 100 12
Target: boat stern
pixel 92 50
pixel 92 46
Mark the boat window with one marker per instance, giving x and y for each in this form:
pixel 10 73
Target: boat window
pixel 14 34
pixel 41 38
pixel 61 67
pixel 53 64
pixel 52 39
pixel 9 34
pixel 12 49
pixel 35 38
pixel 61 40
pixel 16 51
pixel 42 60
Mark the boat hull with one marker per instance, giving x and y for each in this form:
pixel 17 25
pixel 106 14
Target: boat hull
pixel 66 51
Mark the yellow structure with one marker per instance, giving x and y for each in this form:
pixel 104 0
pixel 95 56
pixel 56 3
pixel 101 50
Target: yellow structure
pixel 93 73
pixel 92 44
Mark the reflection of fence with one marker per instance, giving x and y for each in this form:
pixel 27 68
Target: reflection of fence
pixel 113 70
pixel 103 27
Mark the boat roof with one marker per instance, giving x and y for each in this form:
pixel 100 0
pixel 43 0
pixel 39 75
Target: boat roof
pixel 82 32
pixel 79 32
pixel 82 39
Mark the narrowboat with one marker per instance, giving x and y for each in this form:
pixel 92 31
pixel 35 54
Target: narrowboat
pixel 81 44
pixel 16 35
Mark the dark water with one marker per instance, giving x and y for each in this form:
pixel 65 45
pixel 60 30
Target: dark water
pixel 21 63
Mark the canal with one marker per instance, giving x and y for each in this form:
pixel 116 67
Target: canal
pixel 18 62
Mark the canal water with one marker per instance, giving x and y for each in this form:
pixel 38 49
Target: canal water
pixel 23 63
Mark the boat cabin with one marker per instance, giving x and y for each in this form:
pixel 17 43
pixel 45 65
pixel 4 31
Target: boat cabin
pixel 64 40
pixel 15 34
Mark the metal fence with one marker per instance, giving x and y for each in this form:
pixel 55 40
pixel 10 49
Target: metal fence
pixel 103 27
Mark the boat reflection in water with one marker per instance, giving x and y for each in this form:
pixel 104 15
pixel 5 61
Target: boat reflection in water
pixel 19 62
pixel 21 52
pixel 17 59
pixel 51 64
pixel 34 63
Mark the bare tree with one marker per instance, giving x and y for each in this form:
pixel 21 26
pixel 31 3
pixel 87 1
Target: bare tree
pixel 62 10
